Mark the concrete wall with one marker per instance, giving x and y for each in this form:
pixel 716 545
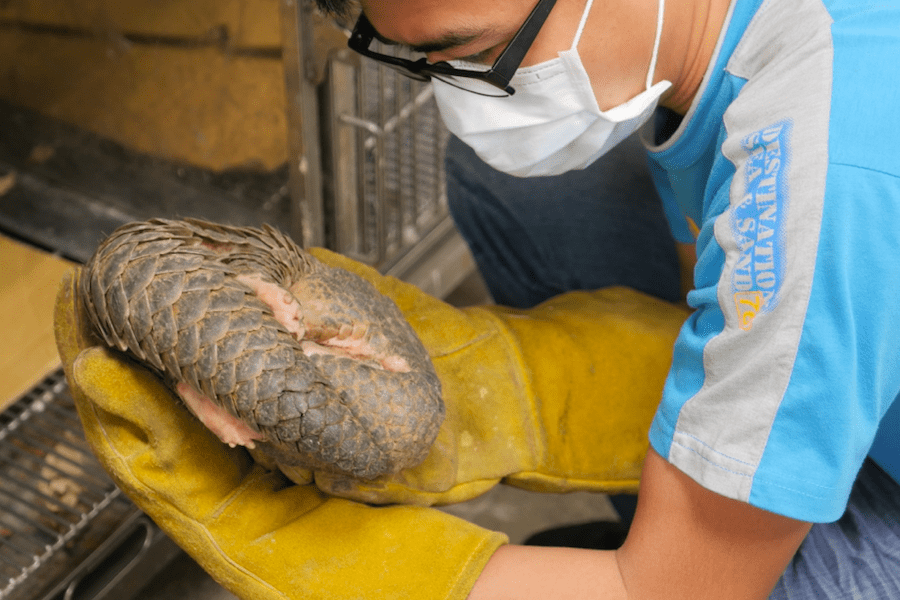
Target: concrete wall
pixel 199 81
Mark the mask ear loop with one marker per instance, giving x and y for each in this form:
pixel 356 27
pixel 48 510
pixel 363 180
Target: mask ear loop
pixel 584 17
pixel 660 14
pixel 659 27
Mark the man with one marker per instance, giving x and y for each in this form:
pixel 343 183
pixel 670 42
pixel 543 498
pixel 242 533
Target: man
pixel 756 141
pixel 770 128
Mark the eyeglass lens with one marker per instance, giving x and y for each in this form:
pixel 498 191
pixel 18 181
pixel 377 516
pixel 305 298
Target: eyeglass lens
pixel 490 81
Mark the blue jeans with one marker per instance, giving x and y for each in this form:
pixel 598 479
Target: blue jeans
pixel 856 557
pixel 535 238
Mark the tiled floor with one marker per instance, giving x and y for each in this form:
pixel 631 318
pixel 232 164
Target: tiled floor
pixel 513 511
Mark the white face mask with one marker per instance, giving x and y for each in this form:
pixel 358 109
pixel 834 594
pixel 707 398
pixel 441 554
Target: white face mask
pixel 552 124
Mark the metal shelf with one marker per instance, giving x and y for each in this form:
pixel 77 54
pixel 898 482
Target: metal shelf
pixel 66 531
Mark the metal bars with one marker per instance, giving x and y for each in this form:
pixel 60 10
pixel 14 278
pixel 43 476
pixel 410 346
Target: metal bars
pixel 380 196
pixel 385 159
pixel 51 487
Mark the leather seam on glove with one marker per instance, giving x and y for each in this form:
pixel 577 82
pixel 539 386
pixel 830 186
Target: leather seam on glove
pixel 198 527
pixel 449 352
pixel 251 478
pixel 530 399
pixel 548 482
pixel 237 566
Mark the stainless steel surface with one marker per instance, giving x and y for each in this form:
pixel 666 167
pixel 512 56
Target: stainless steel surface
pixel 135 553
pixel 66 531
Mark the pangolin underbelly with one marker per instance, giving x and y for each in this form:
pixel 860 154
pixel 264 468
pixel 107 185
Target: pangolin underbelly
pixel 268 346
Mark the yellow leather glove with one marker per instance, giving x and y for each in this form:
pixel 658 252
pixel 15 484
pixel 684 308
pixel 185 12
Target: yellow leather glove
pixel 556 398
pixel 254 531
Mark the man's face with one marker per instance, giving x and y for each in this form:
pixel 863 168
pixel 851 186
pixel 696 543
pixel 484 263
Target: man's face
pixel 615 47
pixel 471 30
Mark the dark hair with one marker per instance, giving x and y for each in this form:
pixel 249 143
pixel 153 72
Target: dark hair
pixel 337 8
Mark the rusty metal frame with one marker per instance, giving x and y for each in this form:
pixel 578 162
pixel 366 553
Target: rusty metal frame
pixel 302 76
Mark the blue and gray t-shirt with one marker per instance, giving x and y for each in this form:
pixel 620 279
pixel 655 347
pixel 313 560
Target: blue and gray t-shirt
pixel 787 170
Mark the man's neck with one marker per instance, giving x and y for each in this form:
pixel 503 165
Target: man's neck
pixel 692 31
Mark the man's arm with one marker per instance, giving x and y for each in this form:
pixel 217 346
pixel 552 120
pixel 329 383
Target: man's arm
pixel 685 542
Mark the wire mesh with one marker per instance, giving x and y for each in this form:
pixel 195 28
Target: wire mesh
pixel 52 490
pixel 387 159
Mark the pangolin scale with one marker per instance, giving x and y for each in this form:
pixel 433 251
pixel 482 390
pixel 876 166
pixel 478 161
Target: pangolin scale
pixel 183 297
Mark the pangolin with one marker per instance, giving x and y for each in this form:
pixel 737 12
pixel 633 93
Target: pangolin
pixel 272 349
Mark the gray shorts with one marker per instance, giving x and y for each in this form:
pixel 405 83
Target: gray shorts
pixel 856 557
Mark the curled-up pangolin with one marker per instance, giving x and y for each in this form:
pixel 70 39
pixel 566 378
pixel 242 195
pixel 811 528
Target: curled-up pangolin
pixel 270 348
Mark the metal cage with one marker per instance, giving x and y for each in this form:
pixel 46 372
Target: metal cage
pixel 366 179
pixel 66 531
pixel 369 172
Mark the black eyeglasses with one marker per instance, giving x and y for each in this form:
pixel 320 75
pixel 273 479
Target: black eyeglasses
pixel 498 76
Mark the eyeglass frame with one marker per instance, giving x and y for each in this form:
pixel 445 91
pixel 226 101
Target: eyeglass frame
pixel 499 75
